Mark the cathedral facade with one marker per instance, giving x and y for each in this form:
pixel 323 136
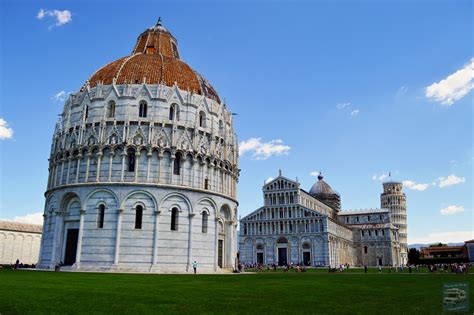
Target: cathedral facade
pixel 143 169
pixel 308 228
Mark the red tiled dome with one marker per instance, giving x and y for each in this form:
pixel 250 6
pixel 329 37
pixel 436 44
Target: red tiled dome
pixel 154 60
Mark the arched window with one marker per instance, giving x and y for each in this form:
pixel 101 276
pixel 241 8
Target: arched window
pixel 131 160
pixel 365 249
pixel 101 216
pixel 111 110
pixel 142 109
pixel 177 164
pixel 138 217
pixel 202 119
pixel 174 219
pixel 205 218
pixel 221 128
pixel 174 112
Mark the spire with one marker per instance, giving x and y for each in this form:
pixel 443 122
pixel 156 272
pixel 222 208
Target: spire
pixel 158 23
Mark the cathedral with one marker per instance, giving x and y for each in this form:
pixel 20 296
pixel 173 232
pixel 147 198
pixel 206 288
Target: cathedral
pixel 309 228
pixel 143 169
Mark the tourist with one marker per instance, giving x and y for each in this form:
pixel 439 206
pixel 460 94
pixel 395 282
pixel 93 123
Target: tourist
pixel 195 265
pixel 17 263
pixel 380 268
pixel 365 269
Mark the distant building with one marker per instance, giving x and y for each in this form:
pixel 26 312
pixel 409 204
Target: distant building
pixel 298 227
pixel 447 254
pixel 19 241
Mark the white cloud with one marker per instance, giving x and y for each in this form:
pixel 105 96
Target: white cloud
pixel 61 17
pixel 348 107
pixel 414 186
pixel 380 177
pixel 343 105
pixel 450 180
pixel 314 173
pixel 263 150
pixel 61 96
pixel 355 112
pixel 450 210
pixel 5 131
pixel 443 237
pixel 454 87
pixel 33 218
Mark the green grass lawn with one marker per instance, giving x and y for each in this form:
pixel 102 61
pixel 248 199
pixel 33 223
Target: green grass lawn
pixel 35 292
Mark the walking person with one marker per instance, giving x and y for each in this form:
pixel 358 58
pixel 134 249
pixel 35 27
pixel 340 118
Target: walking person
pixel 17 263
pixel 195 265
pixel 365 269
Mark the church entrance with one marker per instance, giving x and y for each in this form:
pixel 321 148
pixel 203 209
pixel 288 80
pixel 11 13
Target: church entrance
pixel 220 253
pixel 380 261
pixel 282 256
pixel 71 247
pixel 259 258
pixel 307 258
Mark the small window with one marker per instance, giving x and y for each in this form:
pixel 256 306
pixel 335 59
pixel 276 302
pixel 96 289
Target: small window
pixel 111 109
pixel 202 120
pixel 142 109
pixel 383 232
pixel 87 112
pixel 177 164
pixel 362 232
pixel 357 219
pixel 174 219
pixel 206 183
pixel 368 218
pixel 101 216
pixel 205 217
pixel 365 249
pixel 221 128
pixel 370 233
pixel 138 217
pixel 131 160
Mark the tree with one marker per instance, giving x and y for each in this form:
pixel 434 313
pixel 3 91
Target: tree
pixel 413 256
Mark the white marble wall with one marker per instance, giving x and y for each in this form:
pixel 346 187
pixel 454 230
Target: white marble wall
pixel 19 245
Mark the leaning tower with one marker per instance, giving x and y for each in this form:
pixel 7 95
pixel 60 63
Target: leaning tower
pixel 393 198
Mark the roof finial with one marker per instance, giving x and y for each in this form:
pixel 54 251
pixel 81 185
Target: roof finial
pixel 320 176
pixel 158 23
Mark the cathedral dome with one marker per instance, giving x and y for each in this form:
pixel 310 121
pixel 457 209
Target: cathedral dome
pixel 154 60
pixel 321 187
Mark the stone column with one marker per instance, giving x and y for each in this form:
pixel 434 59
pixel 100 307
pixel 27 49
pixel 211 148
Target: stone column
pixel 137 160
pixel 124 155
pixel 62 172
pixel 155 239
pixel 117 236
pixel 216 249
pixel 57 242
pixel 99 160
pixel 190 241
pixel 160 165
pixel 148 160
pixel 68 169
pixel 87 166
pixel 79 239
pixel 173 157
pixel 111 161
pixel 78 167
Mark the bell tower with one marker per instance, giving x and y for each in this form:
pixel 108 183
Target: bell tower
pixel 393 198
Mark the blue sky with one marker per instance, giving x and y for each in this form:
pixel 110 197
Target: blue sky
pixel 354 89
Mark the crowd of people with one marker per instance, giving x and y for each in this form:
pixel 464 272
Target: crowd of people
pixel 454 268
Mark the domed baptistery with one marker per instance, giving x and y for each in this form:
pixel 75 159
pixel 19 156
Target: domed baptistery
pixel 143 169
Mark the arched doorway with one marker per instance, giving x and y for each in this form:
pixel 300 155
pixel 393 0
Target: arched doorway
pixel 260 254
pixel 69 224
pixel 306 249
pixel 282 251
